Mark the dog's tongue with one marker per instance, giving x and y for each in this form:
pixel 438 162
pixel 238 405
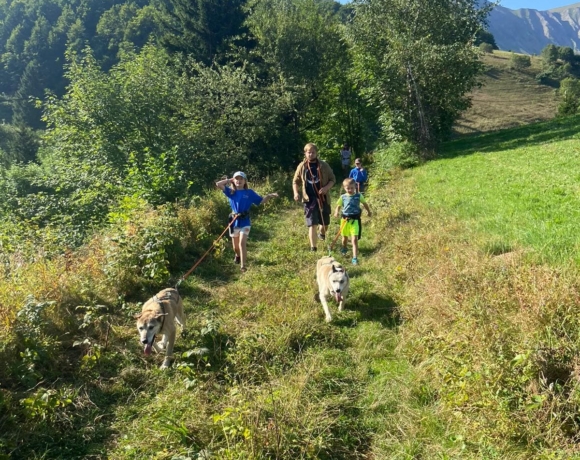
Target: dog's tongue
pixel 147 349
pixel 338 297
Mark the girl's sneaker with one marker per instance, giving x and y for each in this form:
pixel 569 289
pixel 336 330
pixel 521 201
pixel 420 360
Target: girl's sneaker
pixel 237 259
pixel 354 261
pixel 343 250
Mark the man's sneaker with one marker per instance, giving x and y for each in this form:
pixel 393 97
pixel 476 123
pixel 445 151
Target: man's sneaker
pixel 354 261
pixel 243 269
pixel 321 236
pixel 343 250
pixel 237 259
pixel 312 249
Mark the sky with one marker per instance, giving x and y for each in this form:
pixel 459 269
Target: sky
pixel 536 4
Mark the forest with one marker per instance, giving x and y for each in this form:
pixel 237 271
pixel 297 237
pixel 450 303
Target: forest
pixel 103 100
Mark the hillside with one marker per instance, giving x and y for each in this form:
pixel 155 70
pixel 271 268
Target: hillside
pixel 507 97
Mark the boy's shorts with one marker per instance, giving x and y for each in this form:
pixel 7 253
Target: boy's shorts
pixel 350 228
pixel 235 231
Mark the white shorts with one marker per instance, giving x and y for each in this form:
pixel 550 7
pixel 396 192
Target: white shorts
pixel 235 231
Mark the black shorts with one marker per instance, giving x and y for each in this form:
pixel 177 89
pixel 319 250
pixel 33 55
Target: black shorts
pixel 312 214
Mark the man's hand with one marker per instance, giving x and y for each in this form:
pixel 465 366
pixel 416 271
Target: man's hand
pixel 296 197
pixel 323 190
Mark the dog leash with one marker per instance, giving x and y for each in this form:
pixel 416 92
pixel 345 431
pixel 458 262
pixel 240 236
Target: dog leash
pixel 190 271
pixel 337 235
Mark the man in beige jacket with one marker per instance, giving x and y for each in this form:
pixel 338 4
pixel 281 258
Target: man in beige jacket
pixel 312 181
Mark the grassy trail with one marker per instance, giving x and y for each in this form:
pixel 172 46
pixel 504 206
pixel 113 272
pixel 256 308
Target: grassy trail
pixel 280 382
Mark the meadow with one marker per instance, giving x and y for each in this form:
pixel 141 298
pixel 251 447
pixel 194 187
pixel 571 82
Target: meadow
pixel 459 340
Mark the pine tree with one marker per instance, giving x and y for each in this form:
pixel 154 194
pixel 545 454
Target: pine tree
pixel 201 28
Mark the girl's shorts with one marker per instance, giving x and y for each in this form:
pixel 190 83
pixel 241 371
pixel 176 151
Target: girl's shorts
pixel 235 231
pixel 350 228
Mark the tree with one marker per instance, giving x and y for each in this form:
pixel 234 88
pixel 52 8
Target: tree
pixel 202 28
pixel 569 93
pixel 485 36
pixel 566 54
pixel 417 63
pixel 549 55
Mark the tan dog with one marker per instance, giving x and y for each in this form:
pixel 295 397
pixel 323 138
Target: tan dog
pixel 158 316
pixel 332 280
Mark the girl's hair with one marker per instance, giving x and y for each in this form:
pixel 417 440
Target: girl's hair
pixel 312 146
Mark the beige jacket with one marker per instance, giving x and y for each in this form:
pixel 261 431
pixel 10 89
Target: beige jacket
pixel 326 176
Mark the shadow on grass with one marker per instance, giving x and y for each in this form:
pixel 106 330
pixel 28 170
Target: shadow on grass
pixel 538 133
pixel 370 307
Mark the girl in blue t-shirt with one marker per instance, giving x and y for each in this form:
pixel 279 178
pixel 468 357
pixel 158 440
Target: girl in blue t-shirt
pixel 241 199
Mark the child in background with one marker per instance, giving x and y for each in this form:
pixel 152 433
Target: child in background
pixel 241 199
pixel 345 155
pixel 351 225
pixel 359 174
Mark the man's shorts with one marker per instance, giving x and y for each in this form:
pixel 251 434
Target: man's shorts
pixel 350 228
pixel 235 231
pixel 312 215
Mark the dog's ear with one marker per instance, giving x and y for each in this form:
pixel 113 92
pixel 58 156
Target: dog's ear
pixel 138 315
pixel 333 268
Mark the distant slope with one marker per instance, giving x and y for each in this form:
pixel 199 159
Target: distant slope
pixel 529 31
pixel 507 98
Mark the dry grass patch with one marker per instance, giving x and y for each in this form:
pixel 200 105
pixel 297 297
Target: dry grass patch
pixel 507 97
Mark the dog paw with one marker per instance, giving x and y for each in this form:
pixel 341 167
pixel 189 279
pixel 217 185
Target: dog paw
pixel 166 364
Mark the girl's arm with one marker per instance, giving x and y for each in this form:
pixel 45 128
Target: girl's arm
pixel 268 197
pixel 368 209
pixel 222 184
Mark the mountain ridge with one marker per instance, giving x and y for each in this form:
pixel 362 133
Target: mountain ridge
pixel 528 31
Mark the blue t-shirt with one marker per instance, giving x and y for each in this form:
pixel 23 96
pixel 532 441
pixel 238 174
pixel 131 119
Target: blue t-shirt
pixel 358 175
pixel 241 201
pixel 351 203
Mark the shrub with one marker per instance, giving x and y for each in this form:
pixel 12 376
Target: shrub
pixel 486 47
pixel 402 154
pixel 520 61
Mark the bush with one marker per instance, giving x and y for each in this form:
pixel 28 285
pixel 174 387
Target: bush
pixel 398 154
pixel 486 47
pixel 520 61
pixel 569 93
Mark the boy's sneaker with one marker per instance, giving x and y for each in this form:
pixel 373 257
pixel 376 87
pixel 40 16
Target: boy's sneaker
pixel 321 236
pixel 343 250
pixel 237 259
pixel 312 249
pixel 354 261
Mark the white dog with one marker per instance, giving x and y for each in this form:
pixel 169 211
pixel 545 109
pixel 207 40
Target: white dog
pixel 332 280
pixel 158 316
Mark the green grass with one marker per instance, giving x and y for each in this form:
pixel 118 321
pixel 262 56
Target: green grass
pixel 520 188
pixel 460 338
